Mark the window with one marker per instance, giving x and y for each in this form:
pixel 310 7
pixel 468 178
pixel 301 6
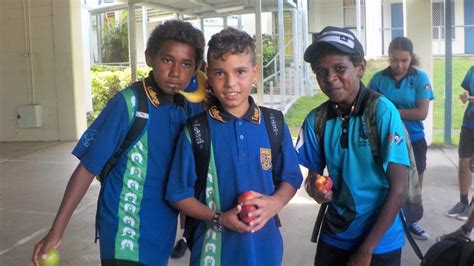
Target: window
pixel 439 20
pixel 350 13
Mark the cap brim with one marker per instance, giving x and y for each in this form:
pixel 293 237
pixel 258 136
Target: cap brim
pixel 316 48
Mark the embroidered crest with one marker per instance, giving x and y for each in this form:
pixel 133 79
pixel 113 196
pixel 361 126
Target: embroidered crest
pixel 256 115
pixel 151 93
pixel 265 158
pixel 215 113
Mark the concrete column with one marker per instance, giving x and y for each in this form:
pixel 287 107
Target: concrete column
pixel 418 27
pixel 69 69
pixel 373 45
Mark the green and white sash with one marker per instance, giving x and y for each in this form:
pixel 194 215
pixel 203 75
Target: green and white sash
pixel 211 245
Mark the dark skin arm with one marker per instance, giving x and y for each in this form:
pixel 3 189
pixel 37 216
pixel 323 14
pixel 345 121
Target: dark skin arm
pixel 419 113
pixel 321 196
pixel 75 191
pixel 396 174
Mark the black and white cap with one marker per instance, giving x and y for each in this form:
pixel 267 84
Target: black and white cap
pixel 341 39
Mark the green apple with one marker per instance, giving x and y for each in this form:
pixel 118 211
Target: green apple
pixel 53 258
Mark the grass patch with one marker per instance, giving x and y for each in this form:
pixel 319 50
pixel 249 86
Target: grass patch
pixel 298 111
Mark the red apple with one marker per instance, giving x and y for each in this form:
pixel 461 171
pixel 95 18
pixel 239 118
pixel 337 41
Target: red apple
pixel 244 196
pixel 244 213
pixel 323 182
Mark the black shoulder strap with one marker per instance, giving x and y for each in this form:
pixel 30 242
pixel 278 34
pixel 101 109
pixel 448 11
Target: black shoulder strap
pixel 139 123
pixel 201 141
pixel 199 132
pixel 274 120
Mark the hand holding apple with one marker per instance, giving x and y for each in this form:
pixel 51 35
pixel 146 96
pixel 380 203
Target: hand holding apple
pixel 52 259
pixel 246 209
pixel 323 182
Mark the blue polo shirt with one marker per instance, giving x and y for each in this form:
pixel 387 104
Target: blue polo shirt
pixel 468 85
pixel 360 187
pixel 241 147
pixel 404 94
pixel 135 222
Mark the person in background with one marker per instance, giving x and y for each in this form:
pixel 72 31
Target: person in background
pixel 410 91
pixel 466 149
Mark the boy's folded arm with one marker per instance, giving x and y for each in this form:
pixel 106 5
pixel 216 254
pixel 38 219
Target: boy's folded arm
pixel 196 209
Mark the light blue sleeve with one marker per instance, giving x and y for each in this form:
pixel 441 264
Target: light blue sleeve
pixel 391 134
pixel 424 91
pixel 373 84
pixel 309 153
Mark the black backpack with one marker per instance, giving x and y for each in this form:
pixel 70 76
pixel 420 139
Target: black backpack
pixel 451 251
pixel 200 134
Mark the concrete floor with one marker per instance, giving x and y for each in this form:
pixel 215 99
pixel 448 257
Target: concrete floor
pixel 33 176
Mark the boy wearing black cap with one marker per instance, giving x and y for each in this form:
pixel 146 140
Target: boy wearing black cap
pixel 361 225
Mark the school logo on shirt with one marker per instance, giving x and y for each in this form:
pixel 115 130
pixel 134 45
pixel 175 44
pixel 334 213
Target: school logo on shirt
pixel 397 139
pixel 265 158
pixel 89 137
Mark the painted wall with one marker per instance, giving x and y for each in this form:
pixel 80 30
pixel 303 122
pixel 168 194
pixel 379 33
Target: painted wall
pixel 56 43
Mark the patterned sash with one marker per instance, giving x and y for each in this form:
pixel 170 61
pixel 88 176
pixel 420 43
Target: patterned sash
pixel 211 246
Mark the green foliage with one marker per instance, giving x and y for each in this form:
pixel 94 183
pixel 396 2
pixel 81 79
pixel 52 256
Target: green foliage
pixel 106 82
pixel 269 50
pixel 115 39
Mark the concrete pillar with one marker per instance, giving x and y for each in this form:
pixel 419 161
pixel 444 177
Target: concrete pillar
pixel 69 62
pixel 418 27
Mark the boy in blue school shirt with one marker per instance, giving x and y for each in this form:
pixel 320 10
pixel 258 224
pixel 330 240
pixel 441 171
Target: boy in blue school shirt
pixel 361 225
pixel 135 224
pixel 238 143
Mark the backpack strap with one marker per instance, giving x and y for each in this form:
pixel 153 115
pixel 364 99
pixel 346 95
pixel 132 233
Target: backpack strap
pixel 140 120
pixel 274 120
pixel 320 118
pixel 198 128
pixel 201 142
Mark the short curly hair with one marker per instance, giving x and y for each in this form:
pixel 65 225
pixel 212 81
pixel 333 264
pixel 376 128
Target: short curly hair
pixel 180 31
pixel 233 41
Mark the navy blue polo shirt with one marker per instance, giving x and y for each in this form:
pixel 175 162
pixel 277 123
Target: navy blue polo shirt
pixel 468 85
pixel 135 222
pixel 241 150
pixel 360 187
pixel 404 94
